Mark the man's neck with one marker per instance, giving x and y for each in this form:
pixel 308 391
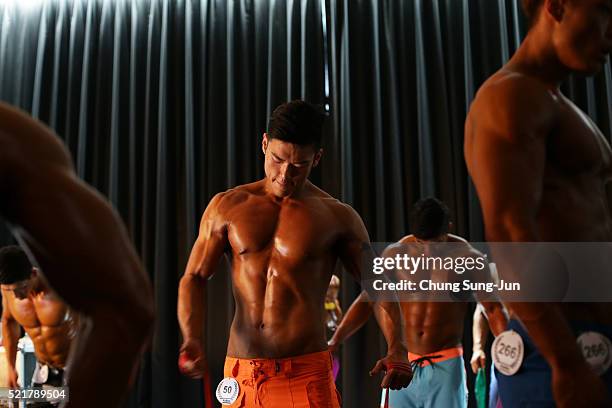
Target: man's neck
pixel 38 287
pixel 298 193
pixel 537 58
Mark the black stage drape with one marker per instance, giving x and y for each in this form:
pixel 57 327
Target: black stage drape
pixel 163 103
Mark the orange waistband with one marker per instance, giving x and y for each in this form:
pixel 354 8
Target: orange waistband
pixel 276 366
pixel 437 356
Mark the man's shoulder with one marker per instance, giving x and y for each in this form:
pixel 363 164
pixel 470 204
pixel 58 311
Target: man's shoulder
pixel 511 99
pixel 322 197
pixel 451 238
pixel 234 196
pixel 457 238
pixel 407 239
pixel 341 215
pixel 455 243
pixel 463 247
pixel 23 136
pixel 342 210
pixel 32 156
pixel 400 247
pixel 507 85
pixel 317 193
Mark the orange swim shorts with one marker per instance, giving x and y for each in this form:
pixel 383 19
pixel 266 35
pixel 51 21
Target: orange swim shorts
pixel 297 382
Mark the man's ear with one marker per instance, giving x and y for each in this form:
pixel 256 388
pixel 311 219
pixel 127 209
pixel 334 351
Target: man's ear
pixel 317 158
pixel 555 8
pixel 264 143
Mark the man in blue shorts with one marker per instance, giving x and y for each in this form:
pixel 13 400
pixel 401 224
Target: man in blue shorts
pixel 433 329
pixel 543 172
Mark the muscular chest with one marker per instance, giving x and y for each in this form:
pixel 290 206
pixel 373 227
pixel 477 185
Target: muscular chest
pixel 578 148
pixel 292 230
pixel 38 311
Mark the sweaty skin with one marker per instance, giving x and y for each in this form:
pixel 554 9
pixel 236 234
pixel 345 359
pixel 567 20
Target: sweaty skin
pixel 83 248
pixel 284 236
pixel 45 318
pixel 286 264
pixel 428 326
pixel 542 170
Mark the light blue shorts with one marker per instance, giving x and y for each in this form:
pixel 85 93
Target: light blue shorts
pixel 441 385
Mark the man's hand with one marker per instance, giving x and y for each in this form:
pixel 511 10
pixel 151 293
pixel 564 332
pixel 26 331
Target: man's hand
pixel 579 388
pixel 479 360
pixel 13 378
pixel 333 346
pixel 398 372
pixel 192 361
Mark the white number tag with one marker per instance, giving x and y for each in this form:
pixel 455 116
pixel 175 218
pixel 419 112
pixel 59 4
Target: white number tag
pixel 227 391
pixel 595 348
pixel 507 352
pixel 41 374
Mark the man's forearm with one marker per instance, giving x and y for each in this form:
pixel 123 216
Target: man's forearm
pixel 545 323
pixel 357 315
pixel 192 307
pixel 389 317
pixel 550 331
pixel 339 313
pixel 480 330
pixel 10 338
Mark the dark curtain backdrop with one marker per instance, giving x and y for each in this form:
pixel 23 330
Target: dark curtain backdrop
pixel 163 103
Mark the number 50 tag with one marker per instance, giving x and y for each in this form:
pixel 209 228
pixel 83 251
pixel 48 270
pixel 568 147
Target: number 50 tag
pixel 227 391
pixel 507 352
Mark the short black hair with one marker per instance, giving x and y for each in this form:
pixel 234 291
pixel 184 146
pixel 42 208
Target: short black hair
pixel 531 9
pixel 429 218
pixel 14 265
pixel 297 122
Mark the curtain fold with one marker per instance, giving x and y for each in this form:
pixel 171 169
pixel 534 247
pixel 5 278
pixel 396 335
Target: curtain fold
pixel 163 104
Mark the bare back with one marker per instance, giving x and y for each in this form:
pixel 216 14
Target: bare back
pixel 562 180
pixel 433 326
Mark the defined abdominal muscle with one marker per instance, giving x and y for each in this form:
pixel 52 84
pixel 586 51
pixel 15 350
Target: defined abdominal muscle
pixel 51 344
